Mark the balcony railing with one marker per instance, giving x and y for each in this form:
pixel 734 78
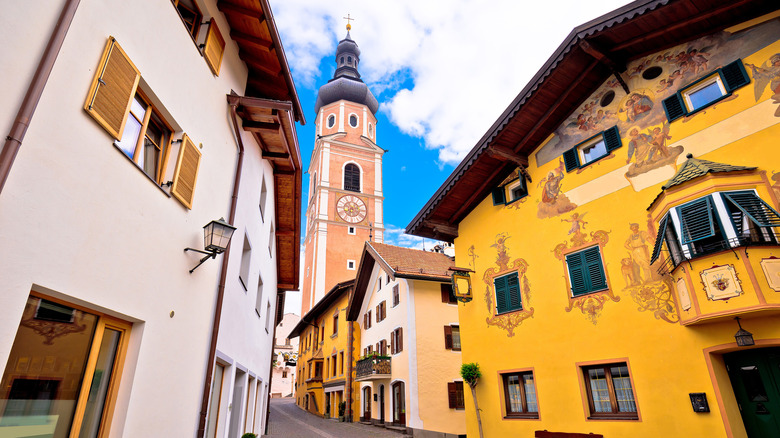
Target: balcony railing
pixel 696 250
pixel 374 367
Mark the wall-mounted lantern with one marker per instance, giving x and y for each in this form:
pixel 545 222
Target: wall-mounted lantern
pixel 461 284
pixel 744 338
pixel 216 237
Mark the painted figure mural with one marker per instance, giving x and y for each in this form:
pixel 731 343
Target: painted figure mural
pixel 767 74
pixel 554 202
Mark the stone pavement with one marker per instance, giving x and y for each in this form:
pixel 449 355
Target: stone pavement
pixel 289 421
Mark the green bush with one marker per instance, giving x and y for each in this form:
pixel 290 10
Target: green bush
pixel 470 373
pixel 249 435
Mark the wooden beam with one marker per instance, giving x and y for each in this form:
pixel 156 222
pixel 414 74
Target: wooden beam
pixel 274 72
pixel 252 126
pixel 602 56
pixel 441 228
pixel 284 233
pixel 260 43
pixel 228 8
pixel 276 155
pixel 505 154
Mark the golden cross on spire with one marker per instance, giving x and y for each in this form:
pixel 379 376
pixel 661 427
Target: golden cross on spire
pixel 348 18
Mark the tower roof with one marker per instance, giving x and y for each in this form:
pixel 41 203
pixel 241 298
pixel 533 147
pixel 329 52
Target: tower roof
pixel 694 168
pixel 346 83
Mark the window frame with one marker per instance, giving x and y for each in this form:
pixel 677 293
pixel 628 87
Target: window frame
pixel 396 295
pixel 730 77
pixel 449 337
pixel 507 293
pixel 246 262
pixel 355 172
pixel 507 403
pixel 357 120
pixel 588 393
pixel 612 141
pixel 700 85
pixel 330 121
pixel 584 268
pixel 196 23
pixel 456 395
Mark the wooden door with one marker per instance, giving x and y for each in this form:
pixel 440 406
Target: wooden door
pixel 755 377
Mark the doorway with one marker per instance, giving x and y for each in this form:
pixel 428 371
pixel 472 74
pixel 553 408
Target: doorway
pixel 755 378
pixel 381 404
pixel 399 409
pixel 367 403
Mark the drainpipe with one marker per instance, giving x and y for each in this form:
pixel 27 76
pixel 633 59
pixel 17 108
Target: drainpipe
pixel 13 141
pixel 204 406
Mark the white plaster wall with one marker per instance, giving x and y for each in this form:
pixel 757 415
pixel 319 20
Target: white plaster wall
pixel 88 226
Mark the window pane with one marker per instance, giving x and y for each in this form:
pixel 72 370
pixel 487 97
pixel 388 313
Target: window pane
pixel 754 385
pixel 138 108
pixel 456 338
pixel 513 389
pixel 599 390
pixel 44 371
pixel 216 392
pixel 100 381
pixel 592 151
pixel 530 392
pixel 623 392
pixel 130 136
pixel 704 95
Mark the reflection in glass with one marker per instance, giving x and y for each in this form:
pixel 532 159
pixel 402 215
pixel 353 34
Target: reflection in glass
pixel 593 151
pixel 530 392
pixel 754 385
pixel 100 382
pixel 703 96
pixel 622 383
pixel 599 390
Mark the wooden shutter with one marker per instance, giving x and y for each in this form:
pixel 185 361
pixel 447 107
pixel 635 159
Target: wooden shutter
pixel 400 339
pixel 214 48
pixel 499 196
pixel 513 293
pixel 448 337
pixel 501 286
pixel 384 309
pixel 445 294
pixel 396 295
pixel 734 75
pixel 595 269
pixel 612 139
pixel 571 160
pixel 696 220
pixel 112 89
pixel 674 107
pixel 378 313
pixel 755 208
pixel 660 238
pixel 391 344
pixel 186 172
pixel 452 395
pixel 575 264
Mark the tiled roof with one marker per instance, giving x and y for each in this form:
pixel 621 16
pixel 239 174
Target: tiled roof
pixel 408 262
pixel 694 168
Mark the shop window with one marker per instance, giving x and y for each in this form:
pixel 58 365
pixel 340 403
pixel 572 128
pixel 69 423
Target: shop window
pixel 592 149
pixel 586 271
pixel 609 391
pixel 520 395
pixel 706 91
pixel 62 371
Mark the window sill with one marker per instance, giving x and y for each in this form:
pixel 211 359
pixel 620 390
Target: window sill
pixel 524 416
pixel 517 199
pixel 582 294
pixel 509 311
pixel 334 335
pixel 614 417
pixel 141 170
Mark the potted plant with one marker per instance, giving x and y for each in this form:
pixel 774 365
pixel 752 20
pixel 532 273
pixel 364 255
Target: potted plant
pixel 248 435
pixel 342 408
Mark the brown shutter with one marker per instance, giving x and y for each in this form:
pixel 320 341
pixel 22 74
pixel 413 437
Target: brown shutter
pixel 378 313
pixel 391 344
pixel 452 395
pixel 215 47
pixel 448 337
pixel 400 339
pixel 445 294
pixel 112 89
pixel 186 172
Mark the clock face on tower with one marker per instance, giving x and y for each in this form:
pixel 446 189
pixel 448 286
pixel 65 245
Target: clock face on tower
pixel 351 209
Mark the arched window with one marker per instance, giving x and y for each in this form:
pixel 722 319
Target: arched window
pixel 342 60
pixel 353 121
pixel 331 120
pixel 352 177
pixel 349 59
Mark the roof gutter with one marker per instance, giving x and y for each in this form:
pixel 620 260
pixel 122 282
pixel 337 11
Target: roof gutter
pixel 13 141
pixel 204 406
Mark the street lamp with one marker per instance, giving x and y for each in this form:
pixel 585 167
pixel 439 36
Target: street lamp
pixel 216 237
pixel 744 338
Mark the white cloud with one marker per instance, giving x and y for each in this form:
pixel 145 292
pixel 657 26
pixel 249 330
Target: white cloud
pixel 398 237
pixel 467 59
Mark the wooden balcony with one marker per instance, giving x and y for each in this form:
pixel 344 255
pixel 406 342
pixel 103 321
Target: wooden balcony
pixel 373 368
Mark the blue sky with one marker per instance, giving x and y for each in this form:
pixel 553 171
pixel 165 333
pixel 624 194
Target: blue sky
pixel 442 71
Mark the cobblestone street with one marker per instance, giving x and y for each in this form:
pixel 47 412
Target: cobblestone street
pixel 289 421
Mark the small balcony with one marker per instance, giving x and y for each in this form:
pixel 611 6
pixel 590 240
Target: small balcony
pixel 373 368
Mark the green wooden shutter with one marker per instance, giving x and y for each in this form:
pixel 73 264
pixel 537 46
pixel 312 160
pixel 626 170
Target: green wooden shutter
pixel 660 238
pixel 513 293
pixel 696 220
pixel 594 269
pixel 577 276
pixel 674 107
pixel 501 287
pixel 499 196
pixel 612 139
pixel 571 160
pixel 754 208
pixel 734 75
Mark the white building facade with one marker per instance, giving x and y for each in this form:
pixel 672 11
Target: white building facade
pixel 286 352
pixel 116 157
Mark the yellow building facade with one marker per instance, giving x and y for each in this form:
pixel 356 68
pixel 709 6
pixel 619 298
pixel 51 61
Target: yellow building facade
pixel 325 368
pixel 617 219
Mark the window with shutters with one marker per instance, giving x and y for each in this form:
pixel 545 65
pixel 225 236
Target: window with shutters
pixel 507 290
pixel 147 138
pixel 455 395
pixel 396 295
pixel 381 311
pixel 706 91
pixel 609 392
pixel 214 47
pixel 586 271
pixel 716 222
pixel 335 324
pixel 520 395
pixel 367 320
pixel 593 149
pixel 452 337
pixel 510 192
pixel 352 177
pixel 447 294
pixel 397 341
pixel 190 15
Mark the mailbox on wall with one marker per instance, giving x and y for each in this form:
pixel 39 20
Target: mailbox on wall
pixel 699 402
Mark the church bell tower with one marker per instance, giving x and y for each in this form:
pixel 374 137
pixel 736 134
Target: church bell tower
pixel 344 209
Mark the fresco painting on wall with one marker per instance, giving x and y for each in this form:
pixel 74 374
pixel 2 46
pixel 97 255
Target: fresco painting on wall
pixel 504 265
pixel 654 78
pixel 554 202
pixel 649 290
pixel 767 74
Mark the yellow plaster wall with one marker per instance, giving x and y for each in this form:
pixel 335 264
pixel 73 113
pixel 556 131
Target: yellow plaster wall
pixel 435 364
pixel 667 360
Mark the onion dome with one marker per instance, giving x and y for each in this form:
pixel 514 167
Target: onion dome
pixel 346 83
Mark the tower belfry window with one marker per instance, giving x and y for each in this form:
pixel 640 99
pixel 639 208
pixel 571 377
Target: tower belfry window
pixel 352 178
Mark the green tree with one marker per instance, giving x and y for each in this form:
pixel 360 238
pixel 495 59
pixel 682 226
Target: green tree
pixel 471 374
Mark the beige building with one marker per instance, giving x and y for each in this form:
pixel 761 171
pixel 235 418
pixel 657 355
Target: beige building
pixel 286 354
pixel 408 374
